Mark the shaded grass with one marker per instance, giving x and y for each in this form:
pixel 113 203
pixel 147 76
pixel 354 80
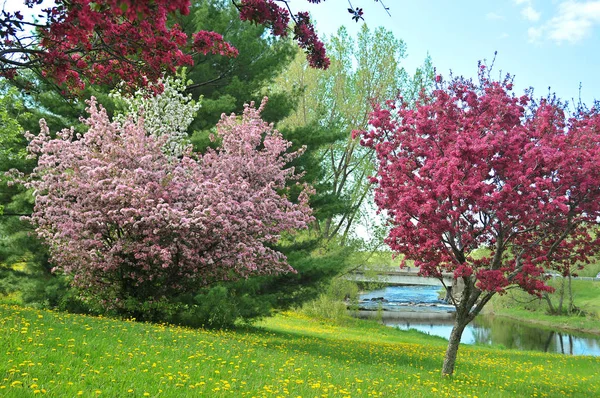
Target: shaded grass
pixel 63 355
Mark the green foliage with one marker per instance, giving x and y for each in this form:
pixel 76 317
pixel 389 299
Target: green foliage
pixel 226 304
pixel 25 102
pixel 325 308
pixel 221 306
pixel 225 84
pixel 24 266
pixel 590 270
pixel 332 104
pixel 229 303
pixel 19 251
pixel 586 297
pixel 333 303
pixel 50 291
pixel 11 132
pixel 343 289
pixel 10 281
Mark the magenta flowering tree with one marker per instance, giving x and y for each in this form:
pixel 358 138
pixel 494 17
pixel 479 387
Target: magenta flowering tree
pixel 491 187
pixel 131 223
pixel 75 42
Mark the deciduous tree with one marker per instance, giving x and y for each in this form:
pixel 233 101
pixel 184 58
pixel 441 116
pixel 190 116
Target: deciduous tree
pixel 476 166
pixel 224 84
pixel 79 41
pixel 337 101
pixel 130 222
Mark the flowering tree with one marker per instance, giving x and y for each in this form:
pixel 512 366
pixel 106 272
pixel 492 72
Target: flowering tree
pixel 107 41
pixel 132 223
pixel 167 114
pixel 475 167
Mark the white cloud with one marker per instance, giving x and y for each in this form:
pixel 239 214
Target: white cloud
pixel 504 35
pixel 530 14
pixel 535 34
pixel 574 22
pixel 494 16
pixel 527 10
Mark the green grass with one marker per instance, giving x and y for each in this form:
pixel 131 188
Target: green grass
pixel 376 260
pixel 62 355
pixel 519 305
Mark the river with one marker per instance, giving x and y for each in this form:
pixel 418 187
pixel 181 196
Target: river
pixel 419 308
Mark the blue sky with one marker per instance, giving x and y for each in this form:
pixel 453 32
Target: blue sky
pixel 543 43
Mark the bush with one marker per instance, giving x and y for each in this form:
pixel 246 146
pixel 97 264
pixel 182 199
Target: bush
pixel 333 304
pixel 324 307
pixel 53 292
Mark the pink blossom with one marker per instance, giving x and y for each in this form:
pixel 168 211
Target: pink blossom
pixel 128 220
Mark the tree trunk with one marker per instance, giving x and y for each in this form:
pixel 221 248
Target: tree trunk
pixel 550 306
pixel 562 296
pixel 453 344
pixel 570 296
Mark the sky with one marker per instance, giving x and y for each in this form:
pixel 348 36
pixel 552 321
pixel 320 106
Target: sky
pixel 543 43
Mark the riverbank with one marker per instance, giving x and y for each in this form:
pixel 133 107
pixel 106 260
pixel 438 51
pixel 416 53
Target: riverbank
pixel 566 323
pixel 518 305
pixel 419 308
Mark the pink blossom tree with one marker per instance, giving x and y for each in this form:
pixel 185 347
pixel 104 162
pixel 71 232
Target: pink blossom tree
pixel 474 167
pixel 131 223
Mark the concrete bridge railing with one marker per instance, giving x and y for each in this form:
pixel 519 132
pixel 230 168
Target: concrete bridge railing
pixel 408 277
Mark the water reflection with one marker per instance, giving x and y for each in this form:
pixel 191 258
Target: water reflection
pixel 511 334
pixel 432 317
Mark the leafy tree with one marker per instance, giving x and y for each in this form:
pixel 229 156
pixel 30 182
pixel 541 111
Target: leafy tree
pixel 134 225
pixel 225 84
pixel 316 259
pixel 21 254
pixel 11 132
pixel 245 77
pixel 476 166
pixel 337 101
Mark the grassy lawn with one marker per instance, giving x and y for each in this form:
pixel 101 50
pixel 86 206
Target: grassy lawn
pixel 62 355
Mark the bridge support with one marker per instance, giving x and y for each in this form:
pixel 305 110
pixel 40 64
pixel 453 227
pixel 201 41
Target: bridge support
pixel 455 291
pixel 448 294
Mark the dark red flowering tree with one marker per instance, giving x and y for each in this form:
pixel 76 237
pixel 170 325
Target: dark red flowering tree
pixel 474 169
pixel 108 41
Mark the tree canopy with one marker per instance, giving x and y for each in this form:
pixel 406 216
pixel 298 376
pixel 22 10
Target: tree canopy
pixel 76 42
pixel 474 166
pixel 129 222
pixel 332 104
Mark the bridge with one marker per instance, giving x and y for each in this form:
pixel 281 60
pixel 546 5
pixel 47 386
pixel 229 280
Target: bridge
pixel 405 277
pixel 408 276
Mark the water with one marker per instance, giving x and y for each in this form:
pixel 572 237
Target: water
pixel 419 308
pixel 403 296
